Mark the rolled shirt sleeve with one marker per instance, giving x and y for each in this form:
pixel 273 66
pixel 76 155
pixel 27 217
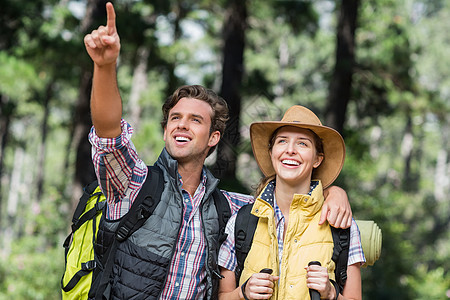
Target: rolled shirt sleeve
pixel 118 168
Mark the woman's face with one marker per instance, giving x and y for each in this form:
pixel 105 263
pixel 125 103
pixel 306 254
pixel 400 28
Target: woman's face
pixel 294 154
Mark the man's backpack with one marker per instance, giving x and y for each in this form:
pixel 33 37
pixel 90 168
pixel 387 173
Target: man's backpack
pixel 79 245
pixel 245 229
pixel 81 279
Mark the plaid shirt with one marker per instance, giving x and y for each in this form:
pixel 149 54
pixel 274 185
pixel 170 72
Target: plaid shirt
pixel 121 174
pixel 227 253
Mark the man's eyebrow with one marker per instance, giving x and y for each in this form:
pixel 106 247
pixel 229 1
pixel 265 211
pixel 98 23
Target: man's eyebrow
pixel 197 116
pixel 191 115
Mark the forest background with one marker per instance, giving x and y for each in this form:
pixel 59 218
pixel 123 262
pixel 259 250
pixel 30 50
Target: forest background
pixel 376 70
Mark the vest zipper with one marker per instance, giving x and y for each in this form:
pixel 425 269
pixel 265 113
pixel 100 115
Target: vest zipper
pixel 173 253
pixel 208 267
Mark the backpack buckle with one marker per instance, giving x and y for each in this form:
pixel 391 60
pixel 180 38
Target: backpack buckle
pixel 89 265
pixel 240 238
pixel 100 205
pixel 122 233
pixel 144 210
pixel 343 278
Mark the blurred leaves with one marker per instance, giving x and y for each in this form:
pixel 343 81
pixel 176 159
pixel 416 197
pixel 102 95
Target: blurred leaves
pixel 18 78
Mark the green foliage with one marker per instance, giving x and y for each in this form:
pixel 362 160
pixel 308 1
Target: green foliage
pixel 33 267
pixel 18 78
pixel 31 274
pixel 430 284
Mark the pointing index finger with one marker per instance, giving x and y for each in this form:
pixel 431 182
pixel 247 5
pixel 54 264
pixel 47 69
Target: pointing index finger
pixel 111 18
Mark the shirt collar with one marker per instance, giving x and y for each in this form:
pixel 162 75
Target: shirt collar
pixel 202 181
pixel 268 193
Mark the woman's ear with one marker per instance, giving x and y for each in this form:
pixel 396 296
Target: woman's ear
pixel 319 159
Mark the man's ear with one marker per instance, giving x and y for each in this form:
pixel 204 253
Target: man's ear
pixel 319 159
pixel 214 138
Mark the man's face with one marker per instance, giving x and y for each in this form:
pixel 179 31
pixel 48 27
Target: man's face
pixel 187 134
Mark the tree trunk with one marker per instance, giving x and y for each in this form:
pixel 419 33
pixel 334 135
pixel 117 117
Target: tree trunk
pixel 232 72
pixel 181 10
pixel 407 147
pixel 442 179
pixel 84 169
pixel 6 109
pixel 283 62
pixel 14 195
pixel 341 81
pixel 139 85
pixel 44 131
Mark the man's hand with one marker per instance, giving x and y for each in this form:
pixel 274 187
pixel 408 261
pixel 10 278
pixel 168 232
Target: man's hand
pixel 336 208
pixel 103 44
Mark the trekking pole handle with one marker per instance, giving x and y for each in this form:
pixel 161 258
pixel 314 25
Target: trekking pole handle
pixel 313 294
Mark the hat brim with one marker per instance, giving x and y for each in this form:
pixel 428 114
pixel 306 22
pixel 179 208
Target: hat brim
pixel 333 145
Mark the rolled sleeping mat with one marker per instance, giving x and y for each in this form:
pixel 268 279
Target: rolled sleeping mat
pixel 371 240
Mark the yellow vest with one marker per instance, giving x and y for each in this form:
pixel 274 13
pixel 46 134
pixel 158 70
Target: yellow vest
pixel 304 241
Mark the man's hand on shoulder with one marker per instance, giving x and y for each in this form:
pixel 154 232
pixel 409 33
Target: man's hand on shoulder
pixel 336 208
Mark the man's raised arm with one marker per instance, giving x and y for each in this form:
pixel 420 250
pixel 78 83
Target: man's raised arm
pixel 103 46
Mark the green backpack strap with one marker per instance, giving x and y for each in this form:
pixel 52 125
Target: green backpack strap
pixel 79 218
pixel 223 211
pixel 244 231
pixel 86 268
pixel 141 209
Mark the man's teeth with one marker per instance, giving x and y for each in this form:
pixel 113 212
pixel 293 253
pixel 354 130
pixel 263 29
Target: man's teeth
pixel 290 162
pixel 182 139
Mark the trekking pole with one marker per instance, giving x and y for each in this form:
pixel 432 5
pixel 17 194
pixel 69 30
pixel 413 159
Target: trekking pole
pixel 313 294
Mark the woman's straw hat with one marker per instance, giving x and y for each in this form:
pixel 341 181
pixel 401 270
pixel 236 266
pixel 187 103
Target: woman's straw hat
pixel 301 117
